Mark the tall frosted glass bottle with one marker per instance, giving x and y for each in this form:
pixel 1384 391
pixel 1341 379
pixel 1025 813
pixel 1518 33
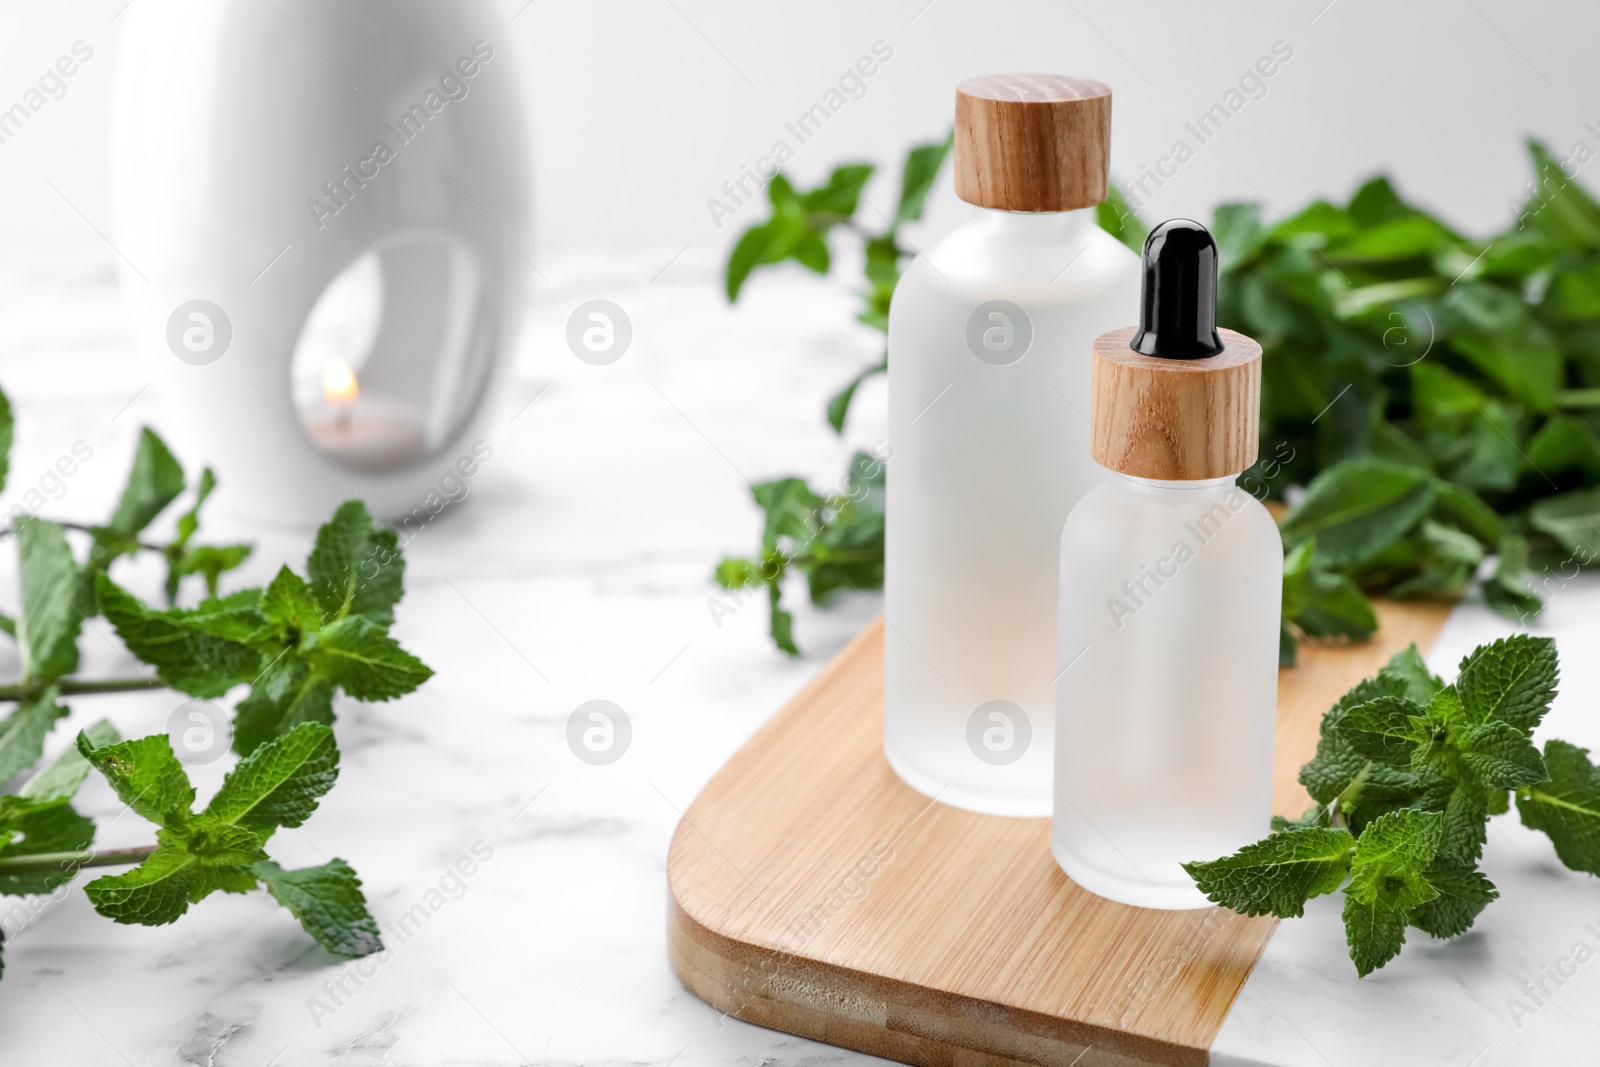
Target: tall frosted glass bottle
pixel 989 337
pixel 1171 578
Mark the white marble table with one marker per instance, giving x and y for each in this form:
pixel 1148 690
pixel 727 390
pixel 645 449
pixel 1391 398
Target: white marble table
pixel 578 569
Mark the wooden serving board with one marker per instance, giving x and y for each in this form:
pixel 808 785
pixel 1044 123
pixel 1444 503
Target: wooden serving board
pixel 813 892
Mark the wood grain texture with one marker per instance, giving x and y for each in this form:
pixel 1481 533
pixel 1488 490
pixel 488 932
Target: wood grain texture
pixel 1032 142
pixel 1175 419
pixel 812 892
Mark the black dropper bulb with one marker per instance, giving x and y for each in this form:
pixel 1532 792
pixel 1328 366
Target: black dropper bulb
pixel 1178 313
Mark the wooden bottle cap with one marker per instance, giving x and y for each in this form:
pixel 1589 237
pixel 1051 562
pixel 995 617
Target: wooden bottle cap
pixel 1175 419
pixel 1032 142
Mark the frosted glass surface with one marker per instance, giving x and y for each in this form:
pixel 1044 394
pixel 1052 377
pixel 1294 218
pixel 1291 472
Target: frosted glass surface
pixel 990 452
pixel 1165 708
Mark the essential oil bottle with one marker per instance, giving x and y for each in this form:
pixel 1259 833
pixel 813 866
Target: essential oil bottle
pixel 989 337
pixel 1171 580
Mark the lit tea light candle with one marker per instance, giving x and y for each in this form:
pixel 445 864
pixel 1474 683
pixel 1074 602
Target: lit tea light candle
pixel 371 434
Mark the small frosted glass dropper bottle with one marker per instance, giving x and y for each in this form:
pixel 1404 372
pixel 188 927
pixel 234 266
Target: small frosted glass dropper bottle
pixel 1171 578
pixel 989 337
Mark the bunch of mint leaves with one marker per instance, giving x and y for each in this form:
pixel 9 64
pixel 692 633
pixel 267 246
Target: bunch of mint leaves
pixel 294 644
pixel 1437 396
pixel 1407 774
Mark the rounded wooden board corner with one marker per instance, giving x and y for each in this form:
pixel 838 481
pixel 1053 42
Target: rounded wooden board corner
pixel 810 891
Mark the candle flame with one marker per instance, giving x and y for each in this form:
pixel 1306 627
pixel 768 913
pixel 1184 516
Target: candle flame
pixel 339 384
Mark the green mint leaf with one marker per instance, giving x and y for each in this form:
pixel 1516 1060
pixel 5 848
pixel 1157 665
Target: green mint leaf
pixel 205 880
pixel 1445 711
pixel 1565 443
pixel 1439 561
pixel 1567 215
pixel 206 560
pixel 782 623
pixel 917 177
pixel 7 431
pixel 769 242
pixel 840 195
pixel 189 521
pixel 160 889
pixel 1465 811
pixel 145 775
pixel 59 781
pixel 1407 670
pixel 152 894
pixel 214 841
pixel 811 252
pixel 1497 755
pixel 1509 590
pixel 1387 729
pixel 185 646
pixel 1462 506
pixel 357 655
pixel 765 243
pixel 1512 680
pixel 48 624
pixel 22 732
pixel 286 696
pixel 1573 519
pixel 1327 604
pixel 1359 506
pixel 53 828
pixel 1387 883
pixel 1567 807
pixel 236 617
pixel 280 782
pixel 734 573
pixel 329 904
pixel 288 603
pixel 1315 816
pixel 1276 876
pixel 1475 434
pixel 839 405
pixel 1375 931
pixel 1463 893
pixel 790 508
pixel 211 562
pixel 155 481
pixel 882 266
pixel 355 567
pixel 1364 789
pixel 1391 855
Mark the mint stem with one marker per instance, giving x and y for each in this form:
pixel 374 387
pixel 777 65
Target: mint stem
pixel 48 862
pixel 1578 398
pixel 68 687
pixel 83 527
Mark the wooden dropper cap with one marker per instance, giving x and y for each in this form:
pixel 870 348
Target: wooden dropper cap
pixel 1032 142
pixel 1175 398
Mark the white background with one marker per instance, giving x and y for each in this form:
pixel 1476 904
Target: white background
pixel 642 108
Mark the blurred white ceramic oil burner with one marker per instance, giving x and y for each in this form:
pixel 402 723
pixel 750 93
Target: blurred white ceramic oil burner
pixel 322 211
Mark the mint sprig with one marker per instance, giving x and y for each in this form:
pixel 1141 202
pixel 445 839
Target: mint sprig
pixel 222 848
pixel 1435 394
pixel 1567 806
pixel 803 221
pixel 296 644
pixel 1407 774
pixel 835 540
